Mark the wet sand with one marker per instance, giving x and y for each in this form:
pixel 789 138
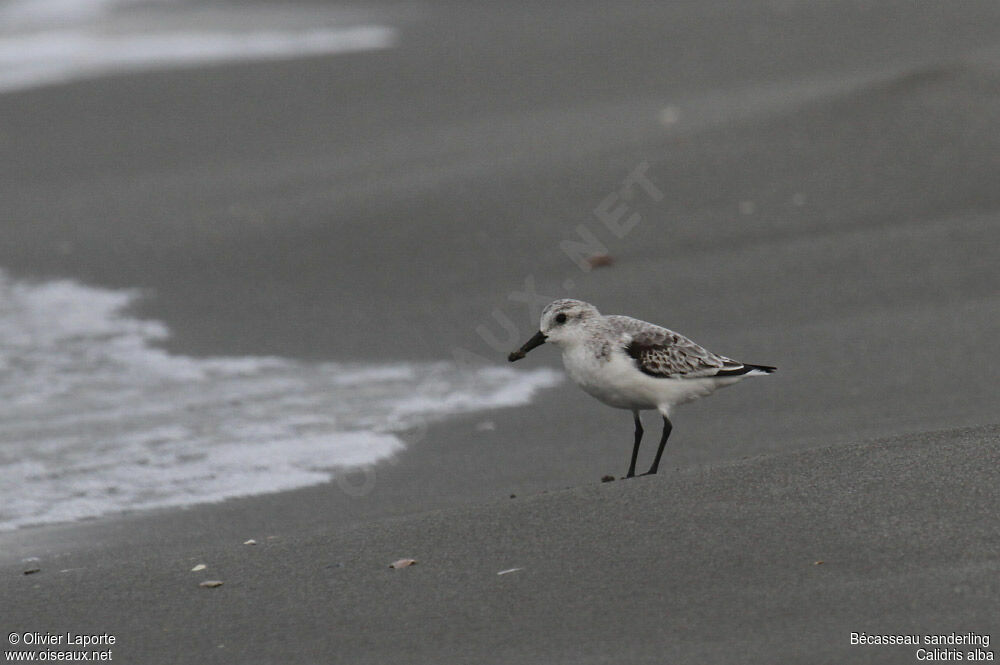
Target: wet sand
pixel 776 558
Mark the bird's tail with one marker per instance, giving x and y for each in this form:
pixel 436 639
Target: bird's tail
pixel 756 370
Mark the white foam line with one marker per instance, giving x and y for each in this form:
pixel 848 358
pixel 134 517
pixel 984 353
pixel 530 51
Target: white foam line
pixel 98 419
pixel 58 56
pixel 28 13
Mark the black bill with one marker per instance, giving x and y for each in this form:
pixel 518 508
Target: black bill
pixel 537 340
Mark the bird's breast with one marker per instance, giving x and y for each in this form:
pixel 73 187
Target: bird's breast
pixel 610 377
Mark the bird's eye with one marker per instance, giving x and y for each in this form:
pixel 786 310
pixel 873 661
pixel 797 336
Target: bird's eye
pixel 560 318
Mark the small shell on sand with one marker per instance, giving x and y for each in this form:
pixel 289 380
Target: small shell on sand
pixel 200 566
pixel 250 542
pixel 403 563
pixel 211 584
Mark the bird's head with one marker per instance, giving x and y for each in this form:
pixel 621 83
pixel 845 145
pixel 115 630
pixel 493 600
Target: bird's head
pixel 562 323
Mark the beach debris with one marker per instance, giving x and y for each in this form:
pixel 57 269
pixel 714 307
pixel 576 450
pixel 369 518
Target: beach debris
pixel 32 571
pixel 819 563
pixel 211 584
pixel 600 260
pixel 250 542
pixel 339 564
pixel 200 566
pixel 513 496
pixel 403 563
pixel 509 570
pixel 607 478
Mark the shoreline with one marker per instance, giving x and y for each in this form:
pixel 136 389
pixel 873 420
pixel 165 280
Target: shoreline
pixel 871 536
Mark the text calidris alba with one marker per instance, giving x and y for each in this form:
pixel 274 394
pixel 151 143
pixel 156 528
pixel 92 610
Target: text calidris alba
pixel 631 364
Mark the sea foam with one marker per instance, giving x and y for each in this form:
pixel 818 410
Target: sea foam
pixel 45 42
pixel 97 419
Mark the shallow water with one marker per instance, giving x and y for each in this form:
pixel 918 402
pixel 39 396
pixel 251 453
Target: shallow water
pixel 97 419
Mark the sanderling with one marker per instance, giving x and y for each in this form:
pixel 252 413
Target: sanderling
pixel 631 364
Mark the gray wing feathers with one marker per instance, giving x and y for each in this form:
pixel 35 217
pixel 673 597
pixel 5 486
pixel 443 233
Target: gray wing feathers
pixel 663 353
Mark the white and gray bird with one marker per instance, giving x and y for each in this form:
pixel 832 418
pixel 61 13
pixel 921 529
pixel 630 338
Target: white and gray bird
pixel 631 364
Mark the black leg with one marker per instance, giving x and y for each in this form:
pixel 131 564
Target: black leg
pixel 667 426
pixel 635 448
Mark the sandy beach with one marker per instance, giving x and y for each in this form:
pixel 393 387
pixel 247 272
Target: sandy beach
pixel 771 558
pixel 821 197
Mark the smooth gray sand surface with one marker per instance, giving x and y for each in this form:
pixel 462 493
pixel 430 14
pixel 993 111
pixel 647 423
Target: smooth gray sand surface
pixel 830 206
pixel 773 559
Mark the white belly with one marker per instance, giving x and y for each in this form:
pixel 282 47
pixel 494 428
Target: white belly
pixel 616 381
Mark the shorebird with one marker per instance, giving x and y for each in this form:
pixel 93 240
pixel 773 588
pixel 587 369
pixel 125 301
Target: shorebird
pixel 631 364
